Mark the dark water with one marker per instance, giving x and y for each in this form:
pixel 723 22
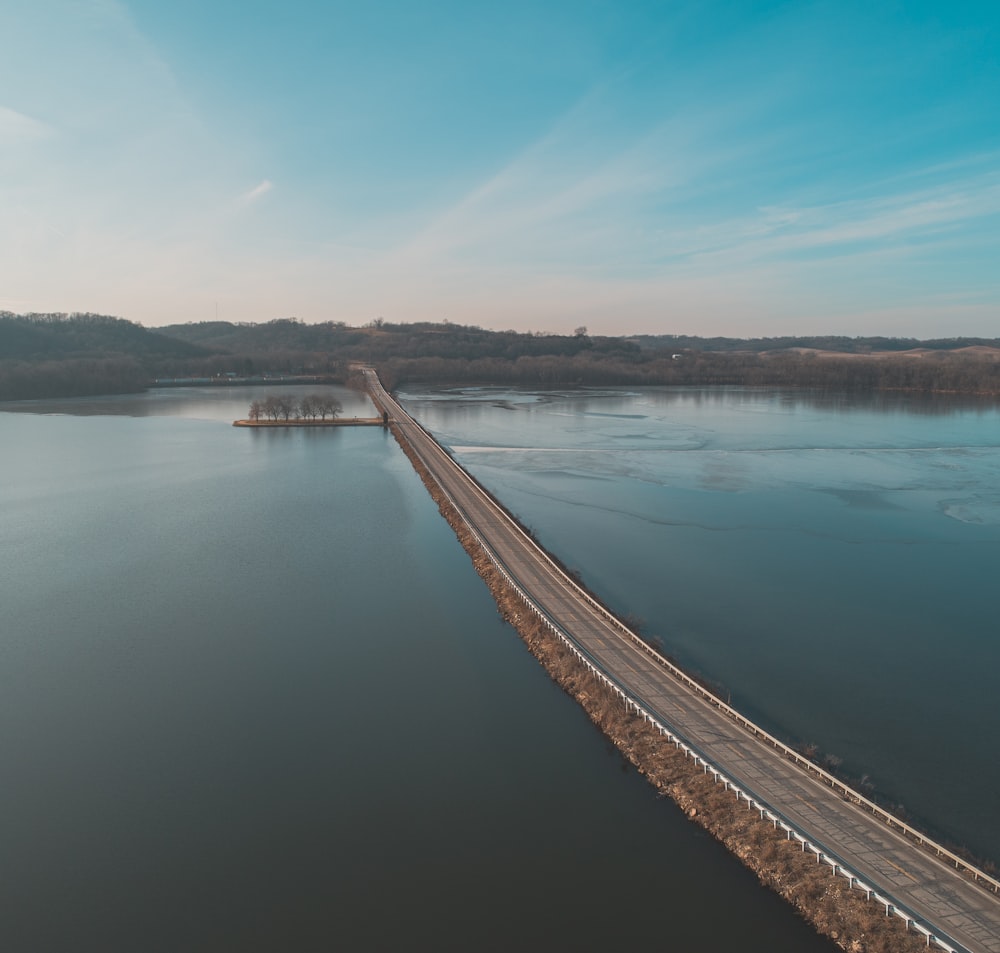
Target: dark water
pixel 831 562
pixel 253 696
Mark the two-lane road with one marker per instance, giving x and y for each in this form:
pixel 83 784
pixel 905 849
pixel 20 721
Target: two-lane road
pixel 962 914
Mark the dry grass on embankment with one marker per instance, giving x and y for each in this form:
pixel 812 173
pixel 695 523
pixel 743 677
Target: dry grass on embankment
pixel 825 900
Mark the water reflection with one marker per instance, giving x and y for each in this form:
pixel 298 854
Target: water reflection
pixel 201 403
pixel 254 697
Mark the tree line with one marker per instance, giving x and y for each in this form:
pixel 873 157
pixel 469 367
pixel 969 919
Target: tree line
pixel 943 372
pixel 75 355
pixel 288 407
pixel 75 377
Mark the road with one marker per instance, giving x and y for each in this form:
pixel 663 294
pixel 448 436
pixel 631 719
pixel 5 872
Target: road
pixel 943 903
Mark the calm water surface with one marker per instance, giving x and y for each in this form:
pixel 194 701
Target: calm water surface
pixel 831 563
pixel 253 696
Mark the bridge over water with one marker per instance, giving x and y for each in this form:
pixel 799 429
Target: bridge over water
pixel 939 895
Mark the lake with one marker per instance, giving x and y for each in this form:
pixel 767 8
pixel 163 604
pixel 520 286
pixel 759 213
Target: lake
pixel 828 562
pixel 255 697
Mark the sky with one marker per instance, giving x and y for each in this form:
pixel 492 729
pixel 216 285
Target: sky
pixel 737 168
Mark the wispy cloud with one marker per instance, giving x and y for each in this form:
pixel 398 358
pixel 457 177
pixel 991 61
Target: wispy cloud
pixel 570 184
pixel 840 229
pixel 16 127
pixel 252 195
pixel 641 205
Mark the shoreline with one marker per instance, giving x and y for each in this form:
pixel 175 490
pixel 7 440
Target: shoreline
pixel 826 901
pixel 345 422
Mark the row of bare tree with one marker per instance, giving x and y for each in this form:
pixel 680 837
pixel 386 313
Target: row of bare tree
pixel 288 407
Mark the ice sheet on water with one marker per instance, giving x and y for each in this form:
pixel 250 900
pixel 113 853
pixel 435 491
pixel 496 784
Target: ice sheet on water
pixel 955 482
pixel 973 509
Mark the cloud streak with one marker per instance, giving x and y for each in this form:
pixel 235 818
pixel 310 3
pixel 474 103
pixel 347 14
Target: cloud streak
pixel 17 128
pixel 842 228
pixel 255 194
pixel 627 211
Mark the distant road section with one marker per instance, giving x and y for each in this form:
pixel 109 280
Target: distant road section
pixel 920 883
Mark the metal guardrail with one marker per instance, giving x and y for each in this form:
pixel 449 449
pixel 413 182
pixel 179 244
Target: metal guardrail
pixel 823 854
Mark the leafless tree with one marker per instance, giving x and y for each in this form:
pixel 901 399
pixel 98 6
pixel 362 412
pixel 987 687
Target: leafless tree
pixel 279 406
pixel 329 406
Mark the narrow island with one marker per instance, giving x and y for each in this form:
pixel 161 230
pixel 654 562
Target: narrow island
pixel 313 410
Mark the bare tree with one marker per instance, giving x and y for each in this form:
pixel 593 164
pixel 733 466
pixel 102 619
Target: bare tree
pixel 280 406
pixel 270 407
pixel 329 405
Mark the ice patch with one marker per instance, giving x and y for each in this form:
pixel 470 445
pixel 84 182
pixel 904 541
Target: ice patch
pixel 972 510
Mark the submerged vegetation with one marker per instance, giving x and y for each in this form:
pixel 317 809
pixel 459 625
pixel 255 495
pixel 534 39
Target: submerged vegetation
pixel 58 355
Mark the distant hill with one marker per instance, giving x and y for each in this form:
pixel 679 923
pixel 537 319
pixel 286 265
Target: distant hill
pixel 53 355
pixel 37 337
pixel 282 334
pixel 381 340
pixel 840 344
pixel 60 355
pixel 426 339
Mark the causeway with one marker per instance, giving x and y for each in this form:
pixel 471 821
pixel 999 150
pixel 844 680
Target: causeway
pixel 939 895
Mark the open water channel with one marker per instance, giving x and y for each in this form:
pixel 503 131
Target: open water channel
pixel 253 695
pixel 829 562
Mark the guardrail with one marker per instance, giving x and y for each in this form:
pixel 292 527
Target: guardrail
pixel 823 854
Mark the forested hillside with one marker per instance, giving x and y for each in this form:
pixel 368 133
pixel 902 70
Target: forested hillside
pixel 81 354
pixel 45 336
pixel 58 355
pixel 380 340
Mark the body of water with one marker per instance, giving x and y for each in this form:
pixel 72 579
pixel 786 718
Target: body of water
pixel 829 562
pixel 253 696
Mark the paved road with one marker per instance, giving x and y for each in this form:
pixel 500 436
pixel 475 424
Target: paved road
pixel 959 913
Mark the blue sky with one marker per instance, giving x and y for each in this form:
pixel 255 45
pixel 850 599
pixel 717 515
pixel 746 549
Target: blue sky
pixel 707 168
